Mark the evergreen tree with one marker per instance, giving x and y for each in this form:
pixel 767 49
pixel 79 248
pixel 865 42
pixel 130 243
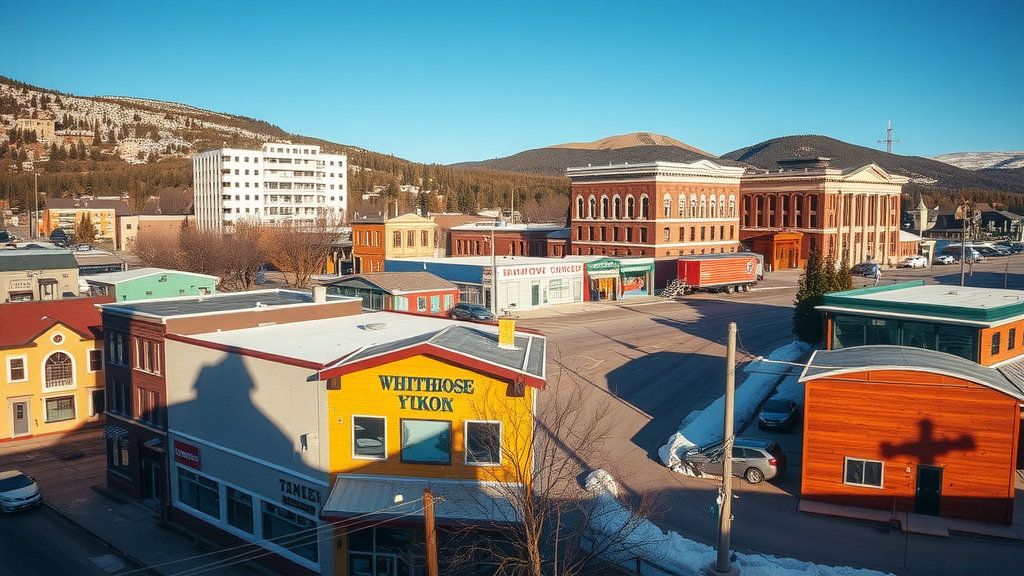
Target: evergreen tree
pixel 821 276
pixel 84 232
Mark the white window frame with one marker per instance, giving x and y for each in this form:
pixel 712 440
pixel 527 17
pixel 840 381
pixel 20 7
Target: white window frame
pixel 90 353
pixel 881 476
pixel 24 367
pixel 74 405
pixel 74 373
pixel 142 359
pixel 353 430
pixel 465 437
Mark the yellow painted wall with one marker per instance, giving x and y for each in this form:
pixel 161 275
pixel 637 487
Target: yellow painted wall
pixel 32 390
pixel 362 394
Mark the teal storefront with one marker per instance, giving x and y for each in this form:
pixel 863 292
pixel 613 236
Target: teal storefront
pixel 614 278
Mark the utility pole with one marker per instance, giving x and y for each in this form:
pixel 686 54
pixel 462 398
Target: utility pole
pixel 723 564
pixel 963 240
pixel 428 519
pixel 35 229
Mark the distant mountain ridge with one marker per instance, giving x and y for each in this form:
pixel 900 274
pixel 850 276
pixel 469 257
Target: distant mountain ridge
pixel 984 160
pixel 921 171
pixel 634 148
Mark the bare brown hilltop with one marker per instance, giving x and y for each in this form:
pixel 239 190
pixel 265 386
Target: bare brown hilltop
pixel 630 141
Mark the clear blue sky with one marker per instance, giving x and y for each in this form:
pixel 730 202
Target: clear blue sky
pixel 453 81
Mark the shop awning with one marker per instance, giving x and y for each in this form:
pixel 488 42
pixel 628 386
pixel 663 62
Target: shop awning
pixel 114 432
pixel 392 498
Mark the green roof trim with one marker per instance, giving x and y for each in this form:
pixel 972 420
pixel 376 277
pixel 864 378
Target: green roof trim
pixel 860 300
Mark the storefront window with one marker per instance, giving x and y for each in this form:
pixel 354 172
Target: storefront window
pixel 386 551
pixel 427 441
pixel 558 289
pixel 240 510
pixel 368 439
pixel 118 461
pixel 60 409
pixel 483 443
pixel 289 530
pixel 199 493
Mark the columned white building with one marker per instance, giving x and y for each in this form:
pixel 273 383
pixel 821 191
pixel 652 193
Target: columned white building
pixel 279 183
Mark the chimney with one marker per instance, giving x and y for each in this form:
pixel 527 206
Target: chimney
pixel 319 294
pixel 507 333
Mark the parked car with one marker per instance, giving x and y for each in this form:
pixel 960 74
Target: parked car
pixel 474 312
pixel 18 491
pixel 1011 247
pixel 916 261
pixel 865 269
pixel 945 259
pixel 752 458
pixel 778 414
pixel 60 238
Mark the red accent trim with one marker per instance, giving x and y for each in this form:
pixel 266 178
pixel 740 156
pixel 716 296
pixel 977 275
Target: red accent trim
pixel 440 354
pixel 245 352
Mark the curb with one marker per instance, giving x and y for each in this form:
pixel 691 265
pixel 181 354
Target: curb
pixel 142 566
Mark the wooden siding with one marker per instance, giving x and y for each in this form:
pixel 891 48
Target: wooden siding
pixel 987 358
pixel 905 419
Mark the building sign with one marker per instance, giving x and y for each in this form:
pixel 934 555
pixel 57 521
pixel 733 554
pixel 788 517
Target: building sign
pixel 20 285
pixel 539 271
pixel 299 496
pixel 187 454
pixel 434 402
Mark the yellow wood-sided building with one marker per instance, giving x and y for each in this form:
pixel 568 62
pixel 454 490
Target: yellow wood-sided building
pixel 337 428
pixel 53 366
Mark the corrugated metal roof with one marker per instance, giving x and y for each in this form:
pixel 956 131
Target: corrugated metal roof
pixel 941 302
pixel 863 358
pixel 116 277
pixel 399 282
pixel 225 302
pixel 456 501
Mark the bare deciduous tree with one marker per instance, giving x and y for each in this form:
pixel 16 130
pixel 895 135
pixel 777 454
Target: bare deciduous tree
pixel 301 250
pixel 552 533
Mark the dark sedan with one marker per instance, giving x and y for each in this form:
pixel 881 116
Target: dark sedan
pixel 474 312
pixel 778 414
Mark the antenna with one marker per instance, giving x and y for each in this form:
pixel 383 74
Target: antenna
pixel 888 139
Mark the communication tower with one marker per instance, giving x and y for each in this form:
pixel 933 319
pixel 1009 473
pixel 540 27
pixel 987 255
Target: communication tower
pixel 888 139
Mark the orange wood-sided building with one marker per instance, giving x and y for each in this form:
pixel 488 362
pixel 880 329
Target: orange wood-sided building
pixel 911 430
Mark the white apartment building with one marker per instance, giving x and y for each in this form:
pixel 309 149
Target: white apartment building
pixel 279 183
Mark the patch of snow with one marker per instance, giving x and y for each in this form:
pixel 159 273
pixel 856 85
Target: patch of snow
pixel 673 552
pixel 762 376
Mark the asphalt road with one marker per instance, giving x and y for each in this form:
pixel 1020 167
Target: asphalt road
pixel 653 363
pixel 38 542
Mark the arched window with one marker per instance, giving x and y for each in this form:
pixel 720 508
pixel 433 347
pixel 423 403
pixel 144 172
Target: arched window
pixel 592 206
pixel 667 203
pixel 721 206
pixel 682 205
pixel 645 207
pixel 59 371
pixel 732 206
pixel 693 205
pixel 617 208
pixel 714 208
pixel 703 206
pixel 604 207
pixel 630 207
pixel 579 208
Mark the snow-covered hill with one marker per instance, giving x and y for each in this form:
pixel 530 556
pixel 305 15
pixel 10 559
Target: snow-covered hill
pixel 983 160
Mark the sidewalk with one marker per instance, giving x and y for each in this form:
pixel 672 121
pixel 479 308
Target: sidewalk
pixel 71 472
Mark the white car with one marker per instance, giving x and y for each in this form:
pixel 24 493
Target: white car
pixel 18 491
pixel 917 261
pixel 945 259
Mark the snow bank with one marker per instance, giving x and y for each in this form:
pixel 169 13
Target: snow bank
pixel 706 427
pixel 673 552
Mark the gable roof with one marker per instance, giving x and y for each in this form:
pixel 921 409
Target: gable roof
pixel 118 277
pixel 23 322
pixel 398 282
pixel 825 363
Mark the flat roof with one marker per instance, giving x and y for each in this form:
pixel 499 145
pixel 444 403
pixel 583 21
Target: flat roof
pixel 223 302
pixel 963 304
pixel 376 337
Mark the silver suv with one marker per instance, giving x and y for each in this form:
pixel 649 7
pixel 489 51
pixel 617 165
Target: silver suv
pixel 752 458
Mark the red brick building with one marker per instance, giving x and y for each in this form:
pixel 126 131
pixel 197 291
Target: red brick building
pixel 852 213
pixel 658 209
pixel 538 240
